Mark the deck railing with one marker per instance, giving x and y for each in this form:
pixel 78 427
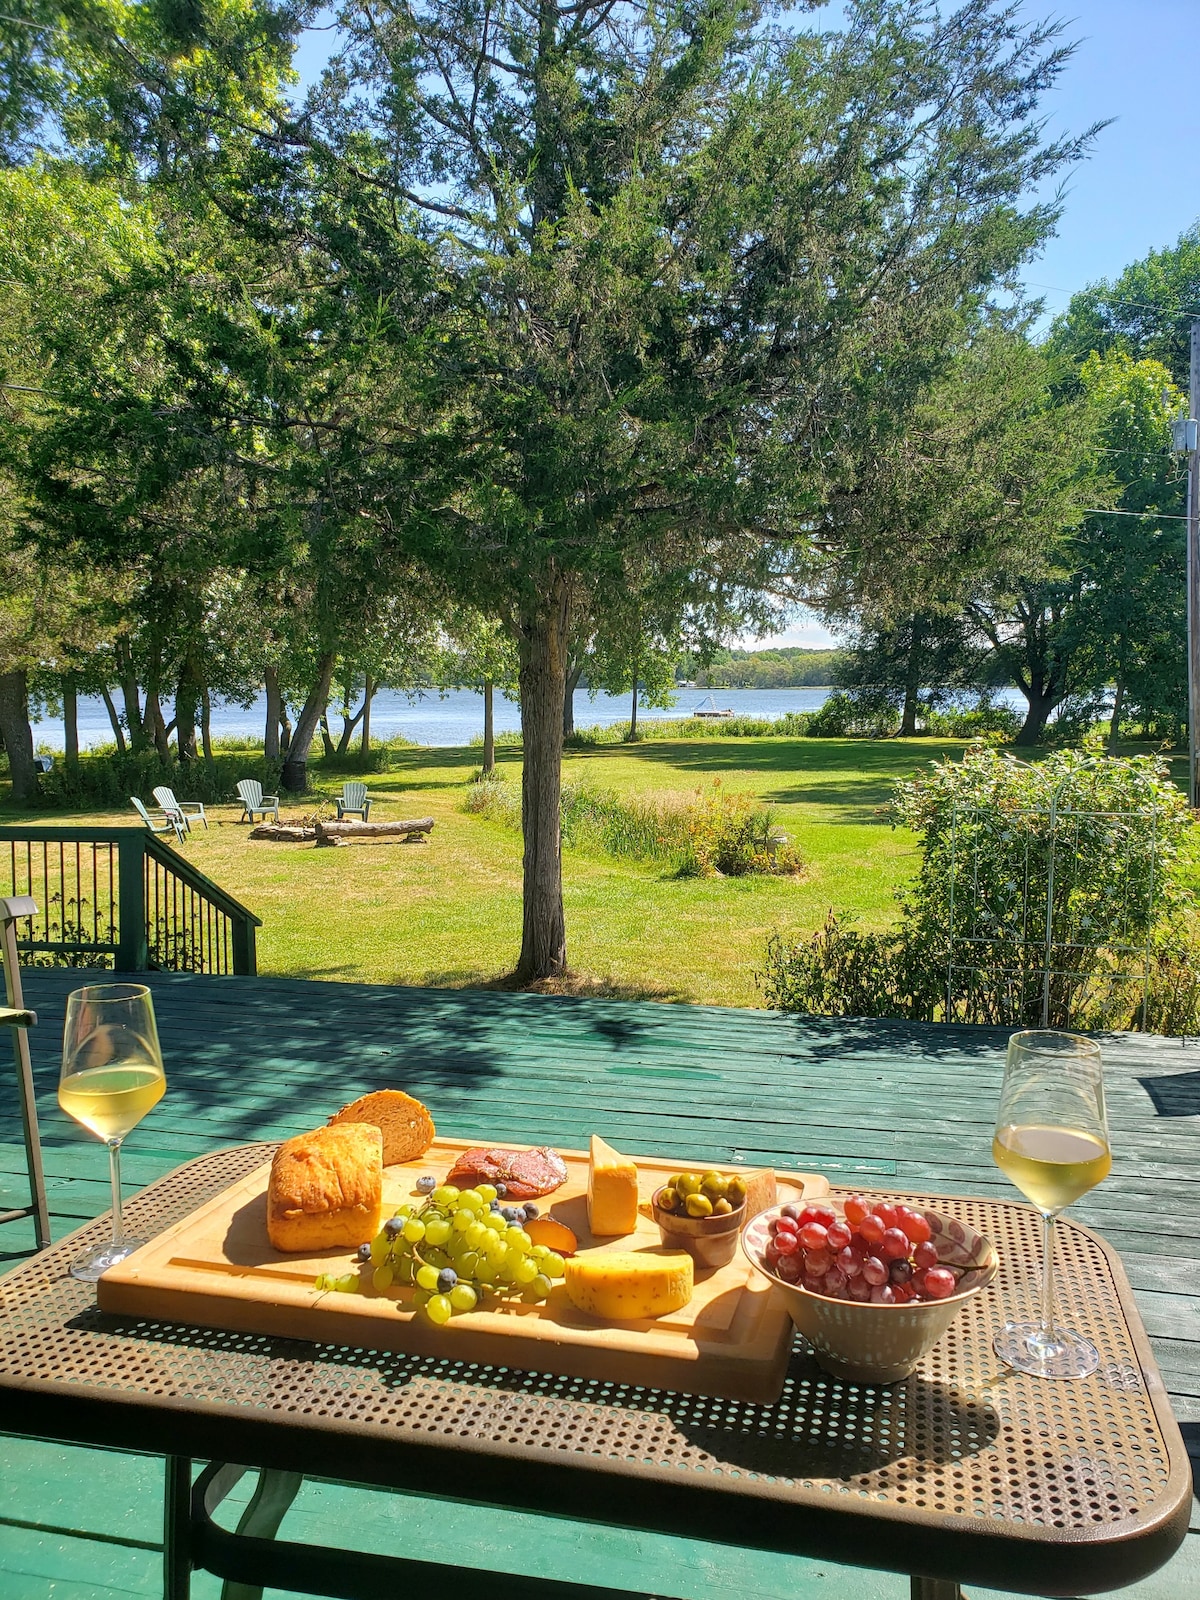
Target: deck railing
pixel 120 897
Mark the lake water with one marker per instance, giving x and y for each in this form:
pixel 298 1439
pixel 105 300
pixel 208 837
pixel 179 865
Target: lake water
pixel 455 717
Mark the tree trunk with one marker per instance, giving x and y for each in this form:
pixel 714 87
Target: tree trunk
pixel 369 689
pixel 632 735
pixel 154 719
pixel 542 645
pixel 206 723
pixel 1114 725
pixel 912 681
pixel 187 705
pixel 285 729
pixel 274 714
pixel 489 728
pixel 18 736
pixel 326 737
pixel 118 731
pixel 129 693
pixel 573 677
pixel 1040 706
pixel 294 776
pixel 70 696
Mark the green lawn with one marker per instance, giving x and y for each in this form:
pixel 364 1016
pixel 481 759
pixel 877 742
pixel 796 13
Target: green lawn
pixel 448 912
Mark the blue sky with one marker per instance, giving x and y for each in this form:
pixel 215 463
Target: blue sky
pixel 1138 62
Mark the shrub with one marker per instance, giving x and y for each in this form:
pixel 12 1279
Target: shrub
pixel 107 779
pixel 842 718
pixel 971 941
pixel 982 720
pixel 731 835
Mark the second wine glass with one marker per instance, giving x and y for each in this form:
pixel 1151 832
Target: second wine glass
pixel 1051 1141
pixel 112 1075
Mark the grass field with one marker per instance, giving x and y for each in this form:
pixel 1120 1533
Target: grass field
pixel 449 912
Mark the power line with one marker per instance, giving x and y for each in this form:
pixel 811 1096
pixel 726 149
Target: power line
pixel 1155 516
pixel 1116 299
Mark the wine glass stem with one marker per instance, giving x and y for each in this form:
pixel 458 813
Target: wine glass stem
pixel 114 1168
pixel 1048 1277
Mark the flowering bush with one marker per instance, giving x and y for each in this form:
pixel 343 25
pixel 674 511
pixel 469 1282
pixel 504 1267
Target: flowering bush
pixel 1053 886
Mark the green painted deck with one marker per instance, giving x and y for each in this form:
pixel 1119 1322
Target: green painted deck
pixel 887 1104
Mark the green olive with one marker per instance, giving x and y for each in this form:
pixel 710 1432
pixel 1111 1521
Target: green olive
pixel 687 1183
pixel 721 1207
pixel 698 1205
pixel 714 1185
pixel 668 1200
pixel 736 1190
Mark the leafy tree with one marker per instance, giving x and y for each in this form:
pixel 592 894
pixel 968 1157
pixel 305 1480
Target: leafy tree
pixel 481 656
pixel 1147 313
pixel 917 662
pixel 1132 615
pixel 625 290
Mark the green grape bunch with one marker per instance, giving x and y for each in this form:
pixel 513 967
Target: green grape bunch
pixel 452 1250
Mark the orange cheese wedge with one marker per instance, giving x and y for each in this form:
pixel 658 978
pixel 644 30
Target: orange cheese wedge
pixel 553 1234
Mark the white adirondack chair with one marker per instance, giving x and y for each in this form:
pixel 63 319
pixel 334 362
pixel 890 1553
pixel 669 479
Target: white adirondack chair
pixel 171 822
pixel 353 801
pixel 253 799
pixel 181 808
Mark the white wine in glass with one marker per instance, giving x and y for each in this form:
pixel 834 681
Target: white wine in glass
pixel 1051 1141
pixel 112 1075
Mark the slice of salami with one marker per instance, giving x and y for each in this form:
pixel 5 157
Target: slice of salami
pixel 541 1171
pixel 525 1174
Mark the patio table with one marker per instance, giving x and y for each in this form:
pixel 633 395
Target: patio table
pixel 964 1472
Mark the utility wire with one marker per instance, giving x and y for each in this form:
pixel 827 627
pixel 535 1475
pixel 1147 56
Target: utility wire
pixel 1156 516
pixel 1116 299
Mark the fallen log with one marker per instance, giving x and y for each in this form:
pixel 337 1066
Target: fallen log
pixel 289 832
pixel 410 832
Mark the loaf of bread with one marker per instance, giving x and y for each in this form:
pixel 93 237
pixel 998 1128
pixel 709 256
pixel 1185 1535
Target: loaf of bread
pixel 406 1125
pixel 326 1189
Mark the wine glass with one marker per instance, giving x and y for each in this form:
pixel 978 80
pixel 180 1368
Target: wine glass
pixel 112 1075
pixel 1052 1142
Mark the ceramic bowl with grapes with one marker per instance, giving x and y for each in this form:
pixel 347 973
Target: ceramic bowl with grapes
pixel 879 1343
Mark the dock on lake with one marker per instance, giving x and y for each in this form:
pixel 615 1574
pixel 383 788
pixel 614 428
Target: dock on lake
pixel 876 1104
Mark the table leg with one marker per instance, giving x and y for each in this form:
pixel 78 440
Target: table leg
pixel 935 1589
pixel 268 1505
pixel 177 1528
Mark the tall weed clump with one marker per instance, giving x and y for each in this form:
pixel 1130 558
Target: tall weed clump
pixel 708 834
pixel 970 943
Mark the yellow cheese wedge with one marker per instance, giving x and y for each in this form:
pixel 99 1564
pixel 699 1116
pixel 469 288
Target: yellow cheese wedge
pixel 612 1190
pixel 626 1285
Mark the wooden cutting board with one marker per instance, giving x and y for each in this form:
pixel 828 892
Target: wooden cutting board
pixel 216 1268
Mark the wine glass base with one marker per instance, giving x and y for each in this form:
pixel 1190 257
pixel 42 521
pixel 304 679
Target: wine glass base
pixel 1066 1355
pixel 89 1266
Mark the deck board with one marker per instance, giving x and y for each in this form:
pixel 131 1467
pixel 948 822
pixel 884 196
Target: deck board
pixel 895 1104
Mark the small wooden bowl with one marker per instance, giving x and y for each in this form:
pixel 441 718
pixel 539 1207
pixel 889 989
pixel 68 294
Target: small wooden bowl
pixel 710 1241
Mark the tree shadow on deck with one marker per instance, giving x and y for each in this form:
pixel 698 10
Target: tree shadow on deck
pixel 251 1058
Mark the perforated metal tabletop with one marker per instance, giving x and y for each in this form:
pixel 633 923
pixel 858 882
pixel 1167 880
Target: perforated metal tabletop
pixel 964 1471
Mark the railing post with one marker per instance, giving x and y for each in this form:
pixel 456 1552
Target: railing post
pixel 245 959
pixel 133 953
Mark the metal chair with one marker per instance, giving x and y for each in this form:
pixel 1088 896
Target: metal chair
pixel 253 799
pixel 19 1019
pixel 181 808
pixel 353 800
pixel 172 821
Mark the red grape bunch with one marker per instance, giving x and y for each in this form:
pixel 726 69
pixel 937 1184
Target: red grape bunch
pixel 881 1254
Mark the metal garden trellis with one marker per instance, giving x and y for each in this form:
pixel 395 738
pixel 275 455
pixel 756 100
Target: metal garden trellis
pixel 1039 943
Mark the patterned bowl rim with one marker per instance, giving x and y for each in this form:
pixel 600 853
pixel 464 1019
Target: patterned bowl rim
pixel 987 1271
